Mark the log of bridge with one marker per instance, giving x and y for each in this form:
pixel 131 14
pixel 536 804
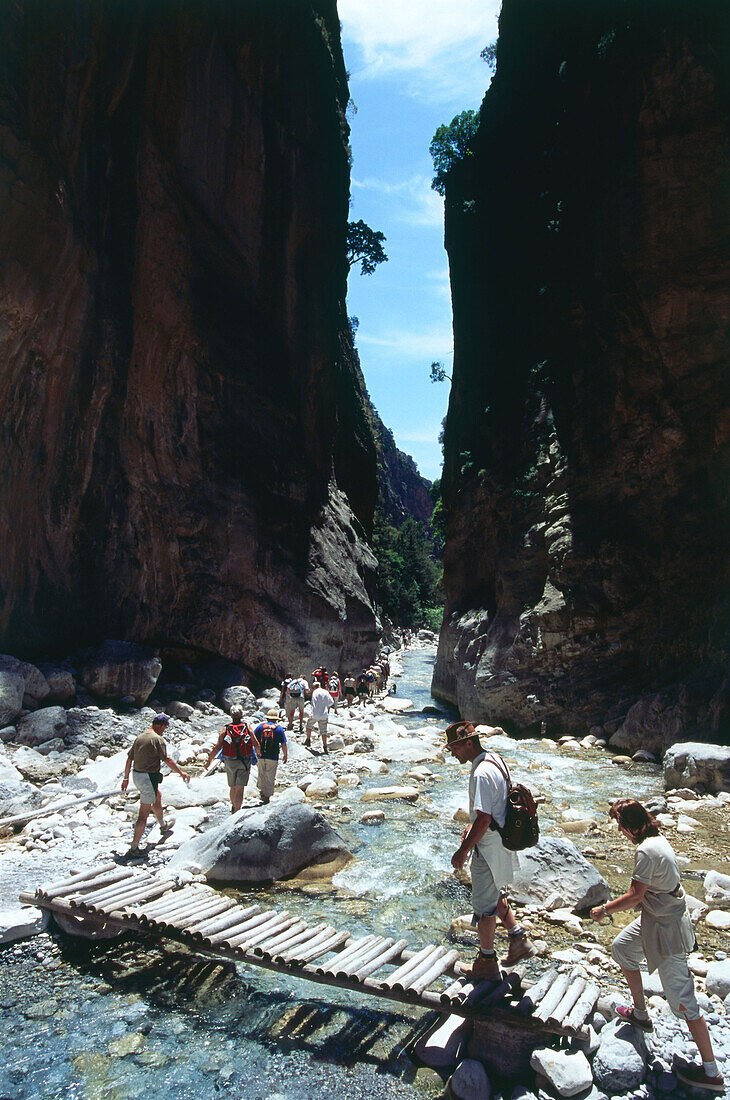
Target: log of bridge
pixel 410 964
pixel 360 958
pixel 211 907
pixel 386 955
pixel 269 935
pixel 437 969
pixel 306 935
pixel 353 949
pixel 421 967
pixel 579 1013
pixel 148 913
pixel 96 886
pixel 171 916
pixel 52 889
pixel 227 916
pixel 314 950
pixel 140 892
pixel 552 997
pixel 46 811
pixel 213 939
pixel 89 883
pixel 293 953
pixel 568 1000
pixel 264 928
pixel 281 938
pixel 99 898
pixel 535 993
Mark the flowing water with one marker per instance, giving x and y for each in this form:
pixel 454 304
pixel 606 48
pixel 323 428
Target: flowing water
pixel 136 1017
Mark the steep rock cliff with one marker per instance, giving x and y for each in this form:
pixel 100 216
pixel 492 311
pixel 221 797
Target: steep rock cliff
pixel 186 453
pixel 586 477
pixel 402 490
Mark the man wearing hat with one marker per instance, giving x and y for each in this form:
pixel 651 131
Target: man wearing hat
pixel 492 865
pixel 145 758
pixel 271 737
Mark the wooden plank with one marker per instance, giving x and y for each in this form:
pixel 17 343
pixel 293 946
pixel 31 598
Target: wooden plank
pixel 231 911
pixel 171 916
pixel 552 997
pixel 52 888
pixel 93 884
pixel 208 909
pixel 263 928
pixel 214 939
pixel 439 967
pixel 313 951
pixel 536 992
pixel 313 936
pixel 421 967
pixel 93 902
pixel 583 1006
pixel 148 913
pixel 384 956
pixel 568 1000
pixel 361 957
pixel 410 964
pixel 140 892
pixel 218 924
pixel 282 939
pixel 350 951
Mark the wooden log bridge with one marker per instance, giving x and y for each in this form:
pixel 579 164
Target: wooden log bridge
pixel 114 897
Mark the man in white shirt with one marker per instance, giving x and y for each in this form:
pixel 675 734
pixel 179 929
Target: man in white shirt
pixel 492 865
pixel 321 703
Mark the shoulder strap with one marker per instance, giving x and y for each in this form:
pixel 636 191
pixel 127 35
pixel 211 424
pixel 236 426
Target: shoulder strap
pixel 498 761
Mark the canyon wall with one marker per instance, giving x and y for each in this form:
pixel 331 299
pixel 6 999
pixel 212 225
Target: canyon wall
pixel 185 447
pixel 587 457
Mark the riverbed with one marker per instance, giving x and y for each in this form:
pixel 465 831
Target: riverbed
pixel 135 1016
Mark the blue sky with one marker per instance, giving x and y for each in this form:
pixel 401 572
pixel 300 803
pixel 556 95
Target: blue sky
pixel 413 64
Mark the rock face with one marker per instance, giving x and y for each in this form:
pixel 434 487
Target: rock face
pixel 555 865
pixel 586 563
pixel 262 845
pixel 402 491
pixel 178 383
pixel 697 765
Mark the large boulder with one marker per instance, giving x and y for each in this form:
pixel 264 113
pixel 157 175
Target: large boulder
pixel 697 765
pixel 718 978
pixel 238 696
pixel 654 722
pixel 262 844
pixel 36 685
pixel 16 796
pixel 40 726
pixel 61 683
pixel 12 689
pixel 555 865
pixel 568 1073
pixel 117 670
pixel 22 923
pixel 620 1063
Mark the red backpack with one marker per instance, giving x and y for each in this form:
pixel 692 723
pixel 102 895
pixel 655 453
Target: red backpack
pixel 239 743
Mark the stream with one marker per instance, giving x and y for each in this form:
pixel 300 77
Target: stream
pixel 138 1017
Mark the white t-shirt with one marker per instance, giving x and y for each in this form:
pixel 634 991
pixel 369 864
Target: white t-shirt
pixel 487 789
pixel 321 703
pixel 655 865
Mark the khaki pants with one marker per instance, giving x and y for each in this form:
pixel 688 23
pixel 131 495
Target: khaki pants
pixel 266 776
pixel 674 973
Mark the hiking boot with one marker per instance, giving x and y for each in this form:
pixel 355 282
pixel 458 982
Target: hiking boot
pixel 698 1079
pixel 627 1014
pixel 520 947
pixel 484 970
pixel 307 744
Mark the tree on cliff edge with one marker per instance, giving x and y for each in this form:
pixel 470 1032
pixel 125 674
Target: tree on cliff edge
pixel 364 246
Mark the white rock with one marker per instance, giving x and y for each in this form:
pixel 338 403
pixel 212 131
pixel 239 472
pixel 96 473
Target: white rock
pixel 322 786
pixel 718 978
pixel 719 919
pixel 567 1073
pixel 444 1046
pixel 373 817
pixel 469 1081
pixel 349 779
pixel 386 794
pixel 717 887
pixel 20 924
pixel 293 794
pixel 393 704
pixel 461 817
pixel 200 791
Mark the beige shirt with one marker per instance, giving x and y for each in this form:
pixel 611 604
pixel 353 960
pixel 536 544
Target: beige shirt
pixel 666 928
pixel 148 752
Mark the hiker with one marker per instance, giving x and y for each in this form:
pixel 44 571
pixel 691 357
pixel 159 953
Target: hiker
pixel 334 687
pixel 322 675
pixel 362 686
pixel 662 934
pixel 350 689
pixel 492 865
pixel 145 758
pixel 270 735
pixel 321 703
pixel 238 747
pixel 295 696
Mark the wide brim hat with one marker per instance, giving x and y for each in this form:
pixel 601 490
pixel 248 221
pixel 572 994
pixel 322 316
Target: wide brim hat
pixel 273 713
pixel 459 731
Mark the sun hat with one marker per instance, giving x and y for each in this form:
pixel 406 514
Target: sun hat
pixel 459 731
pixel 273 713
pixel 161 720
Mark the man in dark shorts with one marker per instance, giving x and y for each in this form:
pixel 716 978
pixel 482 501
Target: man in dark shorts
pixel 145 759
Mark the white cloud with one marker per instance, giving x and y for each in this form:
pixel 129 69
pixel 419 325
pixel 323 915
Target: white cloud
pixel 414 200
pixel 430 40
pixel 428 344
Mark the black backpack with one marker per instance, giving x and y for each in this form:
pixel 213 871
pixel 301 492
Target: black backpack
pixel 521 829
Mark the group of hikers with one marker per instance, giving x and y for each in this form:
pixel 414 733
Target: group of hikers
pixel 662 934
pixel 328 690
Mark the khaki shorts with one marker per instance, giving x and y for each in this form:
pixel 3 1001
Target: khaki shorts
pixel 237 772
pixel 145 786
pixel 674 973
pixel 485 893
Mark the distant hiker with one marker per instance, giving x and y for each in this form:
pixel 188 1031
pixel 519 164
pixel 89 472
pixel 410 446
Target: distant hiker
pixel 362 685
pixel 322 675
pixel 144 759
pixel 321 703
pixel 238 747
pixel 350 689
pixel 492 865
pixel 271 738
pixel 662 934
pixel 334 687
pixel 295 696
pixel 371 678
